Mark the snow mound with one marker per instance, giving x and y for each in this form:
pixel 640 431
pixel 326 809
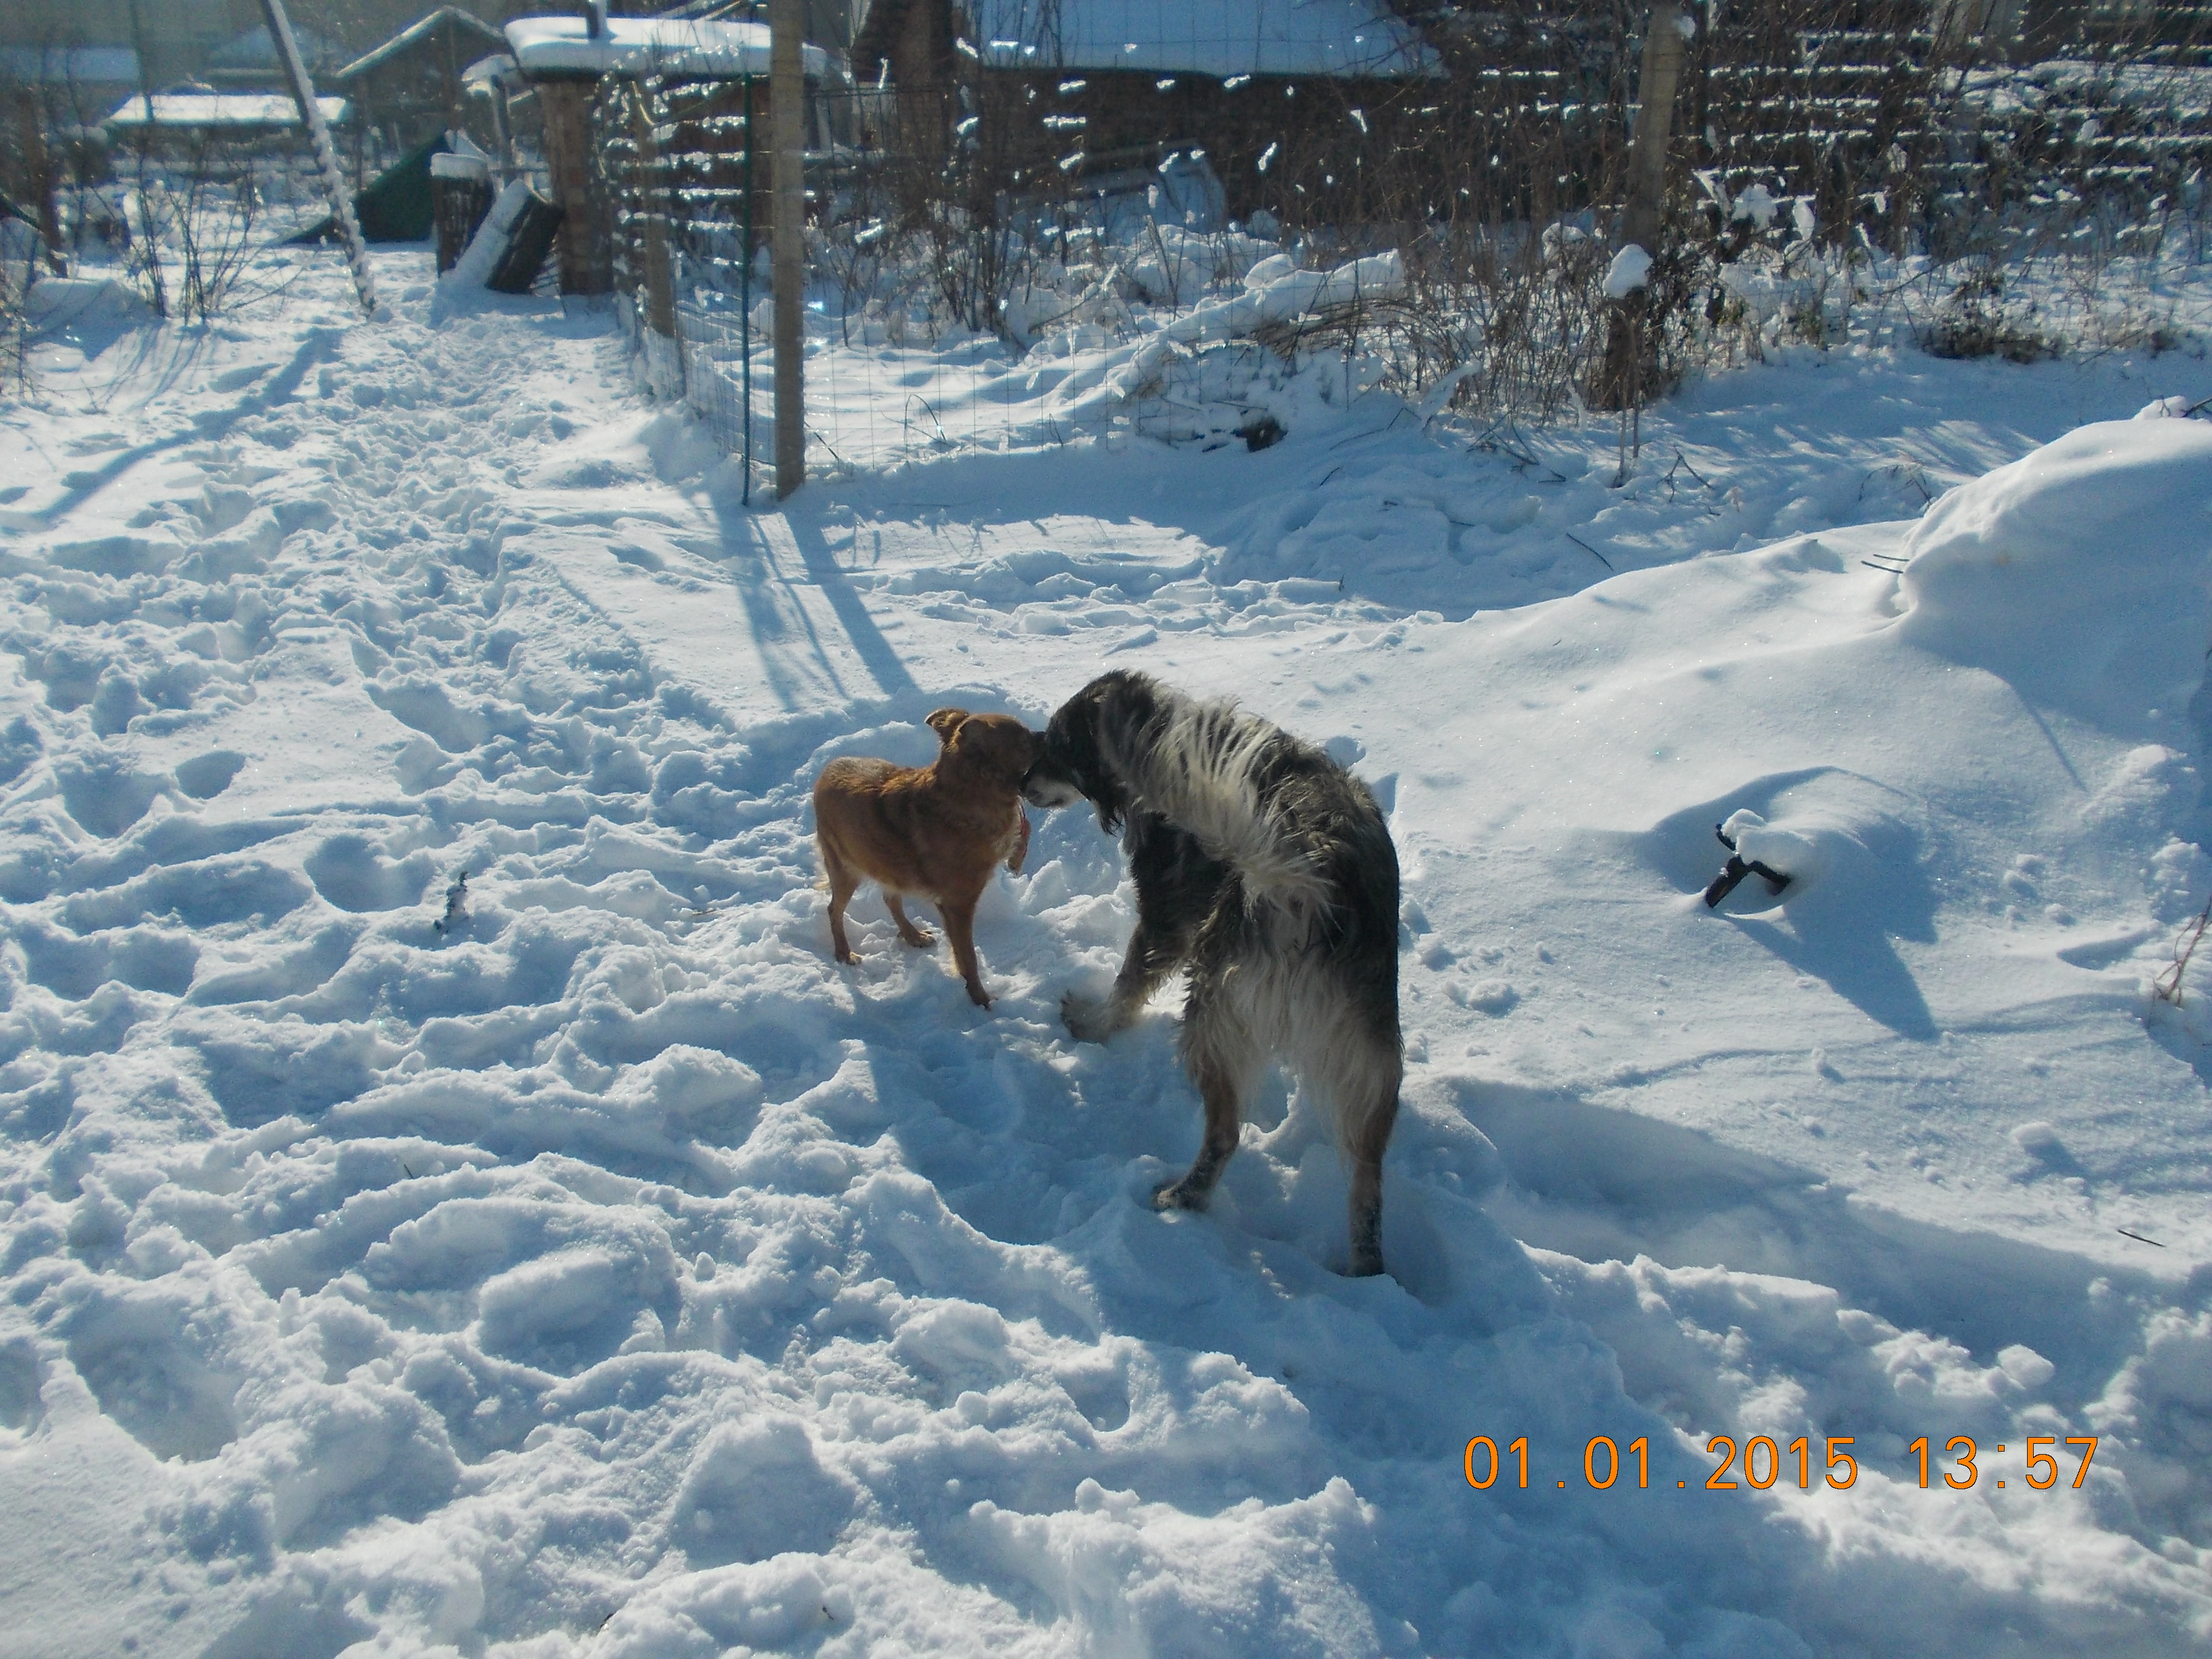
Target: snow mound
pixel 1630 269
pixel 2079 573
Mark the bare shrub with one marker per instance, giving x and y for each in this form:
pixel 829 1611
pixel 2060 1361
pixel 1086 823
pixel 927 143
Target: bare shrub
pixel 197 213
pixel 1975 322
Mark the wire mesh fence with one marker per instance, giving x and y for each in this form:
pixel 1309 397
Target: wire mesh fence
pixel 1004 249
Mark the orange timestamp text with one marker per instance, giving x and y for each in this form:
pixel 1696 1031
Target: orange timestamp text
pixel 1761 1462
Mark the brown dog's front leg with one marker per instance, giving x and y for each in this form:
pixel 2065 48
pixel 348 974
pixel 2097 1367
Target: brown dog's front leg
pixel 921 938
pixel 842 883
pixel 960 927
pixel 1021 841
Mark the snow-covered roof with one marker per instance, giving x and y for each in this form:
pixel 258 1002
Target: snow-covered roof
pixel 70 66
pixel 1218 37
pixel 647 46
pixel 488 70
pixel 238 110
pixel 418 31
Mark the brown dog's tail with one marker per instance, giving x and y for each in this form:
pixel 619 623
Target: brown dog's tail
pixel 823 882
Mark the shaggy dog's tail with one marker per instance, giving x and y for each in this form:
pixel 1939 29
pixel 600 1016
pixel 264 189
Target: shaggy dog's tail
pixel 1201 771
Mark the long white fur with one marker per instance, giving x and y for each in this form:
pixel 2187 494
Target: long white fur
pixel 1291 1005
pixel 1283 1000
pixel 1198 776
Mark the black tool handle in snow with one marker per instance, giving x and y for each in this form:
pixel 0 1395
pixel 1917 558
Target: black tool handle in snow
pixel 1736 870
pixel 326 155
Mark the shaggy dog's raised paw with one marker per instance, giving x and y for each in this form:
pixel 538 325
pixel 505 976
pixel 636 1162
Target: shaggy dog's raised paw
pixel 1178 1195
pixel 1090 1019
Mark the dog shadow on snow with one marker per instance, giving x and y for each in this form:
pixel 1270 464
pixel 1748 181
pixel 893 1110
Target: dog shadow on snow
pixel 1603 1184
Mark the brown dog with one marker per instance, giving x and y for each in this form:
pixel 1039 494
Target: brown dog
pixel 937 832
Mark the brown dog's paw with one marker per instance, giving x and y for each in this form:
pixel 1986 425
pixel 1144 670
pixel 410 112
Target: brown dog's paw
pixel 978 995
pixel 921 938
pixel 847 958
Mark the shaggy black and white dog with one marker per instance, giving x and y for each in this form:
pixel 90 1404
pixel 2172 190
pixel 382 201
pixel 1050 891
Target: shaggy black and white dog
pixel 1265 869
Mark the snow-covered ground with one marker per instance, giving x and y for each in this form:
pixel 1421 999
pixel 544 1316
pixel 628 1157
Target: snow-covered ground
pixel 585 1264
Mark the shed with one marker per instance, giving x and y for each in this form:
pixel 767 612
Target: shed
pixel 50 99
pixel 76 83
pixel 1075 87
pixel 239 115
pixel 249 62
pixel 410 87
pixel 566 59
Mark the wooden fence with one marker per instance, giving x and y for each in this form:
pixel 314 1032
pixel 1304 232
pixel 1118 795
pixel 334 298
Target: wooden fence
pixel 1881 117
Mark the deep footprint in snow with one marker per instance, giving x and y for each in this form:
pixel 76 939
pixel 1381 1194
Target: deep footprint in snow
pixel 205 777
pixel 104 792
pixel 353 873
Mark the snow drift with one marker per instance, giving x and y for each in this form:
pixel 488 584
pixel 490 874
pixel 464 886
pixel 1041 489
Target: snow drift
pixel 2080 572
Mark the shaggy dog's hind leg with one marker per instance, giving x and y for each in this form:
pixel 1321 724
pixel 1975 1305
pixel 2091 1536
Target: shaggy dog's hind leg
pixel 1369 1135
pixel 1358 1065
pixel 1223 1062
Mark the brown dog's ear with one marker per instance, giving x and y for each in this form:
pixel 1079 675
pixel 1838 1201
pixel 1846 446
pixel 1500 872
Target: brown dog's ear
pixel 946 721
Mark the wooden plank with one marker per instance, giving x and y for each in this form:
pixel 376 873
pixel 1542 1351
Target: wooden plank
pixel 787 229
pixel 326 157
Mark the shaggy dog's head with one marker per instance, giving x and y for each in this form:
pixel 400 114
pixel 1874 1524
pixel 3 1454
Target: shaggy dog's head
pixel 1085 733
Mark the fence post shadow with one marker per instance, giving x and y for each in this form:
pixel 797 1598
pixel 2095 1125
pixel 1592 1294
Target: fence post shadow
pixel 749 541
pixel 822 567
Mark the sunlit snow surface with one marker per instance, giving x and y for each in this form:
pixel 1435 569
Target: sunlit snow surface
pixel 609 1273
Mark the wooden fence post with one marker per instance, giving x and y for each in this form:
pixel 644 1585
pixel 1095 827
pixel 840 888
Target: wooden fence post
pixel 586 262
pixel 664 362
pixel 787 100
pixel 746 289
pixel 1664 46
pixel 1618 383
